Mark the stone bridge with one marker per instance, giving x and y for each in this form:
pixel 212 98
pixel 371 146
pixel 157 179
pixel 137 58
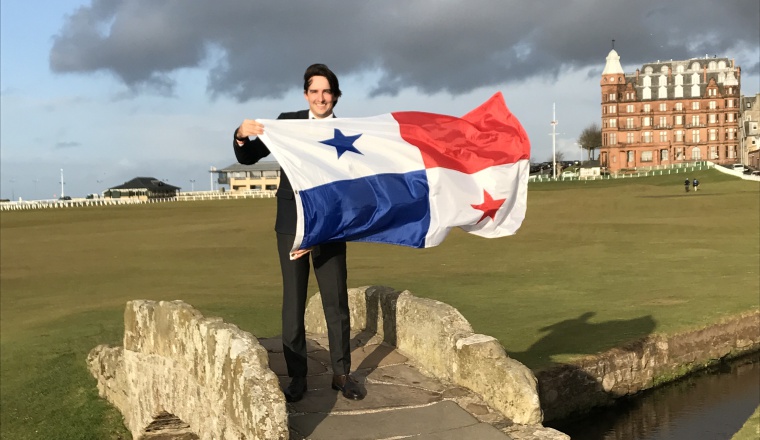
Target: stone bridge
pixel 180 375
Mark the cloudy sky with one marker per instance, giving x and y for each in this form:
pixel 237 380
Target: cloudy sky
pixel 108 90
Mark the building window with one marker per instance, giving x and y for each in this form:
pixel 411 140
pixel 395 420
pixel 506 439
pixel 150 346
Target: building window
pixel 679 153
pixel 629 123
pixel 713 134
pixel 730 103
pixel 663 121
pixel 612 96
pixel 646 137
pixel 679 135
pixel 646 156
pixel 613 108
pixel 713 105
pixel 663 136
pixel 695 136
pixel 646 121
pixel 696 153
pixel 679 119
pixel 695 105
pixel 647 108
pixel 679 106
pixel 647 93
pixel 713 118
pixel 731 150
pixel 662 92
pixel 613 122
pixel 663 155
pixel 631 156
pixel 613 138
pixel 729 117
pixel 629 108
pixel 663 107
pixel 714 152
pixel 629 138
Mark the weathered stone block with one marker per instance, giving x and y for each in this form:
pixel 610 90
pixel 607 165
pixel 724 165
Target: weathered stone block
pixel 441 341
pixel 211 376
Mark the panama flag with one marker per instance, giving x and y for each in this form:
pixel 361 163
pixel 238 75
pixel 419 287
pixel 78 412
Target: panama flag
pixel 404 178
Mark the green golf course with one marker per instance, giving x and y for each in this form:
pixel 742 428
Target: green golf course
pixel 617 259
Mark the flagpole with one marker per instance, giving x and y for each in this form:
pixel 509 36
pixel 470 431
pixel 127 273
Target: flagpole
pixel 554 140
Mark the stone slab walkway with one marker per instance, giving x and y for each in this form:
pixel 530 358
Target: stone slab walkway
pixel 402 402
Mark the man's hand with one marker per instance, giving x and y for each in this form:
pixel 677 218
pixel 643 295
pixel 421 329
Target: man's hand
pixel 248 128
pixel 299 253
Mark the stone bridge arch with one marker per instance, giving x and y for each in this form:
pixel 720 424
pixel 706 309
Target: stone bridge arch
pixel 210 377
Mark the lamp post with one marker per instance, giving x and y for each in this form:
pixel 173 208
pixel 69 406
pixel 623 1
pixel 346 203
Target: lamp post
pixel 554 141
pixel 192 185
pixel 62 183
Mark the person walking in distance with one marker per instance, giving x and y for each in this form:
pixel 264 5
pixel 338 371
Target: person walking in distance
pixel 686 184
pixel 321 91
pixel 695 184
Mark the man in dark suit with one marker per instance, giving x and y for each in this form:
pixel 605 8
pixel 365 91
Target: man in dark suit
pixel 321 91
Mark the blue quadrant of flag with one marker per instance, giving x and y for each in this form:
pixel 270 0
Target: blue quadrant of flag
pixel 400 212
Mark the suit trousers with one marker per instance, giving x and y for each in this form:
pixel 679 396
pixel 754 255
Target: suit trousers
pixel 329 261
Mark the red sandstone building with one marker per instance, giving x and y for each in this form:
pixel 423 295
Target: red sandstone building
pixel 669 112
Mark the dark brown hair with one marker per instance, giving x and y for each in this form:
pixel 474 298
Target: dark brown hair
pixel 322 70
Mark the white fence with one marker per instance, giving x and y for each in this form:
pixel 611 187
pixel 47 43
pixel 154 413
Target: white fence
pixel 658 170
pixel 227 195
pixel 24 205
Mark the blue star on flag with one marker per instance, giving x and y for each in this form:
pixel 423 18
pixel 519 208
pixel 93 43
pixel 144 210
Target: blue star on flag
pixel 342 143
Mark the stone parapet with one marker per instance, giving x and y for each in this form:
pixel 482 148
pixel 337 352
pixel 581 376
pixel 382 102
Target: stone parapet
pixel 440 340
pixel 210 375
pixel 598 380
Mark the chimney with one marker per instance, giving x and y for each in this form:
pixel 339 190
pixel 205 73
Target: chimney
pixel 637 76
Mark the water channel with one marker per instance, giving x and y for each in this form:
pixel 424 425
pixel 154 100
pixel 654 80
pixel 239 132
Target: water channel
pixel 708 405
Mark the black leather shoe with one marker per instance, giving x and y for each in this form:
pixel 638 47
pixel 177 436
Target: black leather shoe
pixel 348 386
pixel 295 391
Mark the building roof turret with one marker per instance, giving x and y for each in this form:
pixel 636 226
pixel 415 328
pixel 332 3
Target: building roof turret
pixel 613 64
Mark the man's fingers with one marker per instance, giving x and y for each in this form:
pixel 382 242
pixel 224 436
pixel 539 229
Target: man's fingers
pixel 250 127
pixel 299 253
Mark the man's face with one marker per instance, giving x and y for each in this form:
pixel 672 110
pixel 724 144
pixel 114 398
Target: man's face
pixel 320 97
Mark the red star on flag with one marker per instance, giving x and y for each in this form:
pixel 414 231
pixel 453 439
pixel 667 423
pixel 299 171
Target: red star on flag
pixel 489 206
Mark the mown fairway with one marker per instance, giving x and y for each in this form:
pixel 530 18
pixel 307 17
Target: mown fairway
pixel 594 265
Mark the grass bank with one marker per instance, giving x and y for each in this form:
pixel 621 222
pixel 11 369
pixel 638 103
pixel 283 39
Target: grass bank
pixel 751 428
pixel 594 265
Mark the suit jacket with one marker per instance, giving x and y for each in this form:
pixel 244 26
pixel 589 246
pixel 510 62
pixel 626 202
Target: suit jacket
pixel 253 151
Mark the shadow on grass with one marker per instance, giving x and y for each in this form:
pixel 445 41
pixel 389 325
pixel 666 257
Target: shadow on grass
pixel 565 388
pixel 578 336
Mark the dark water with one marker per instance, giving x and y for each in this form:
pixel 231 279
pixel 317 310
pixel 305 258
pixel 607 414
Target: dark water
pixel 709 405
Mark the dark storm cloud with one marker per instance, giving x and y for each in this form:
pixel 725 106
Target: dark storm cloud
pixel 255 48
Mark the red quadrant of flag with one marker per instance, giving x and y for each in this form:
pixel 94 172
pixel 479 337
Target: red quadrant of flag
pixel 487 136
